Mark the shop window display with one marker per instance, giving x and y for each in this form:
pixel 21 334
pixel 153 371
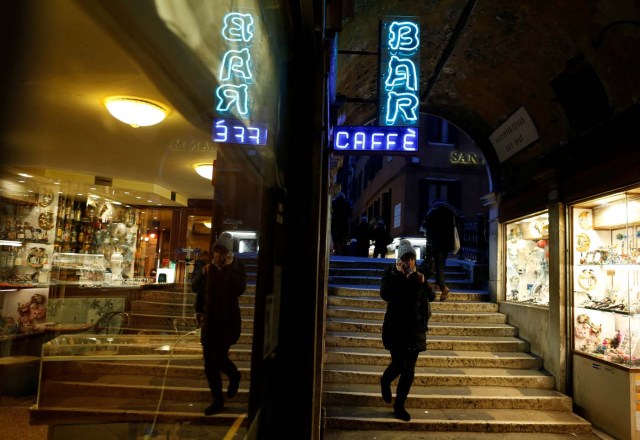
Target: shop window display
pixel 527 260
pixel 606 277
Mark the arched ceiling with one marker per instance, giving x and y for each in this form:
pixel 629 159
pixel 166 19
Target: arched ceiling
pixel 480 62
pixel 483 60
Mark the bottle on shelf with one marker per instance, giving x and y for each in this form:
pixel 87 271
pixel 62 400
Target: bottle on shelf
pixel 28 231
pixel 11 258
pixel 20 232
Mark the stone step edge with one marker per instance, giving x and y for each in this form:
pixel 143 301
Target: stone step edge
pixel 46 415
pixel 464 423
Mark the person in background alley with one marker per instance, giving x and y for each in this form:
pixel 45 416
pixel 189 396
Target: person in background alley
pixel 363 234
pixel 340 214
pixel 218 311
pixel 438 225
pixel 381 239
pixel 404 329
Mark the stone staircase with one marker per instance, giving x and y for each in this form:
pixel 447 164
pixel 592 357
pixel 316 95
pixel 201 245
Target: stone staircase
pixel 151 370
pixel 476 375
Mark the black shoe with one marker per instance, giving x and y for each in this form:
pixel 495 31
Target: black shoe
pixel 401 413
pixel 234 383
pixel 386 390
pixel 214 408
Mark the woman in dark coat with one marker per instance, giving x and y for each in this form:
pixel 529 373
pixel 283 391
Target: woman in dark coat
pixel 217 301
pixel 404 329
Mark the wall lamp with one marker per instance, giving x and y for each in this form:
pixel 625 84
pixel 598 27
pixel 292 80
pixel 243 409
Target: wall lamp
pixel 205 170
pixel 134 111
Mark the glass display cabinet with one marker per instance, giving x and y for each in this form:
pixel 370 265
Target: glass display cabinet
pixel 527 259
pixel 605 249
pixel 78 269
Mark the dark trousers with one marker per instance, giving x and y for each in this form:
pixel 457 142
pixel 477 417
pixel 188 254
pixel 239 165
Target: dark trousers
pixel 380 251
pixel 403 364
pixel 216 361
pixel 440 259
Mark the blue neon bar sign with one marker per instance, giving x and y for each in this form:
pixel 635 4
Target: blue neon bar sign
pixel 399 71
pixel 370 140
pixel 235 79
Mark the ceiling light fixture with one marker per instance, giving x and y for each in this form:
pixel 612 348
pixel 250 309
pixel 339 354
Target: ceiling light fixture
pixel 205 170
pixel 135 112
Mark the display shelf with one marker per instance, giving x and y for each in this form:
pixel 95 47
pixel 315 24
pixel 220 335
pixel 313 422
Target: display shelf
pixel 606 279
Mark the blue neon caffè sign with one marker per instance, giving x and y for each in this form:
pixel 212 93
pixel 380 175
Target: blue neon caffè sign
pixel 398 100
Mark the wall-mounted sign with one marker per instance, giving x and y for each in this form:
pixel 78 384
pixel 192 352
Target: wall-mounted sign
pixel 235 79
pixel 370 140
pixel 399 71
pixel 514 134
pixel 466 158
pixel 235 131
pixel 399 110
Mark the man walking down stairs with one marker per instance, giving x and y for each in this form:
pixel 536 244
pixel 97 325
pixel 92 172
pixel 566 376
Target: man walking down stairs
pixel 476 376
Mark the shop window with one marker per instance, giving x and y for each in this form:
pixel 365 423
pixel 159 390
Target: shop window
pixel 605 249
pixel 527 260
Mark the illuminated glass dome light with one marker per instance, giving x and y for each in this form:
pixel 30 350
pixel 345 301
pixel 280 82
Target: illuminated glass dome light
pixel 135 112
pixel 205 170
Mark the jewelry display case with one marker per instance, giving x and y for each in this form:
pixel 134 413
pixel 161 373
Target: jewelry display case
pixel 605 249
pixel 78 269
pixel 527 259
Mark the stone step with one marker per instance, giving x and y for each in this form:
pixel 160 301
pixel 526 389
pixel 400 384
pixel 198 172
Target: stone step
pixel 434 342
pixel 168 296
pixel 442 376
pixel 458 280
pixel 135 387
pixel 435 358
pixel 456 420
pixel 451 397
pixel 74 410
pixel 436 327
pixel 185 297
pixel 140 318
pixel 437 316
pixel 181 326
pixel 375 302
pixel 455 295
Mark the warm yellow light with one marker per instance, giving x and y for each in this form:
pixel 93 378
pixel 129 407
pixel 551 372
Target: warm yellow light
pixel 207 224
pixel 205 170
pixel 135 112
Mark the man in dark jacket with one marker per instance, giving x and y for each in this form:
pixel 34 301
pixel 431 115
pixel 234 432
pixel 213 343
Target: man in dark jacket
pixel 217 302
pixel 404 329
pixel 438 224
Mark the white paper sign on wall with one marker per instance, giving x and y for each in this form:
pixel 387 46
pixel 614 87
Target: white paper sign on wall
pixel 514 134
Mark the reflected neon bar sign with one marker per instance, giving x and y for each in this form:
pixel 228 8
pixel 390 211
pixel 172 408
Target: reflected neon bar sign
pixel 233 97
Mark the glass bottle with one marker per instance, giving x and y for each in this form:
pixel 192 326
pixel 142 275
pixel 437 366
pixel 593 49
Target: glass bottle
pixel 11 259
pixel 28 231
pixel 20 232
pixel 11 231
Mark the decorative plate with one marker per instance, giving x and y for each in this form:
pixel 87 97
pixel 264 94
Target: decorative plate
pixel 587 279
pixel 46 200
pixel 584 220
pixel 37 257
pixel 582 242
pixel 46 220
